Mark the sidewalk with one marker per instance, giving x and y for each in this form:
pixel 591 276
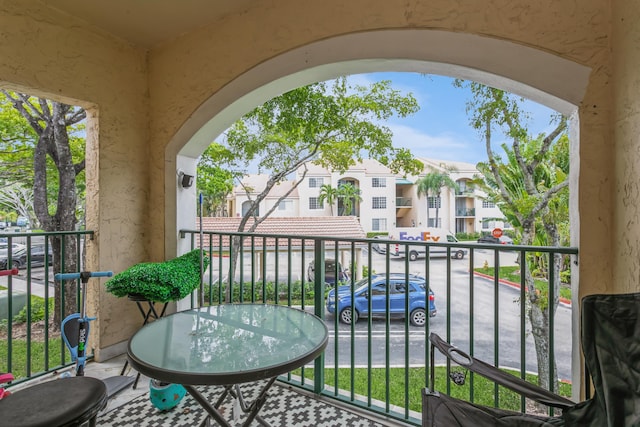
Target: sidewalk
pixel 20 285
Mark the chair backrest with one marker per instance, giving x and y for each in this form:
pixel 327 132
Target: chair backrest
pixel 611 346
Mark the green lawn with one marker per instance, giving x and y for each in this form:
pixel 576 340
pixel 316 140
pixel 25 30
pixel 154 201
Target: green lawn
pixel 483 389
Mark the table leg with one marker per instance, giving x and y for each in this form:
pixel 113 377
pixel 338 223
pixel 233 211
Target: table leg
pixel 251 409
pixel 212 411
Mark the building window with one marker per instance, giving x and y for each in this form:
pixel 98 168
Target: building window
pixel 435 202
pixel 315 182
pixel 379 224
pixel 433 223
pixel 378 182
pixel 488 224
pixel 315 203
pixel 379 203
pixel 285 205
pixel 488 204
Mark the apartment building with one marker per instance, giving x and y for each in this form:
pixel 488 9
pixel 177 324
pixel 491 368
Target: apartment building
pixel 387 200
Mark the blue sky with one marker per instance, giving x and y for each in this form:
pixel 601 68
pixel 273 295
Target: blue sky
pixel 440 129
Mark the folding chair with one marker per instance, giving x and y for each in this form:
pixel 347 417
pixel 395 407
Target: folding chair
pixel 611 347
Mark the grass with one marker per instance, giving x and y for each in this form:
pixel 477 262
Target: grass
pixel 483 389
pixel 512 273
pixel 30 360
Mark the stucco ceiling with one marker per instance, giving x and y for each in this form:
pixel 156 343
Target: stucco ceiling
pixel 146 23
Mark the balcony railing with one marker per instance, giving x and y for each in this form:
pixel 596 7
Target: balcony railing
pixel 31 345
pixel 378 364
pixel 465 212
pixel 404 202
pixel 381 364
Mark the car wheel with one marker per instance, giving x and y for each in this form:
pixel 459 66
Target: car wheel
pixel 418 317
pixel 347 316
pixel 459 254
pixel 413 255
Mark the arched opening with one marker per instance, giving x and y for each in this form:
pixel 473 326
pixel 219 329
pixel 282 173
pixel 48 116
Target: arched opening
pixel 542 77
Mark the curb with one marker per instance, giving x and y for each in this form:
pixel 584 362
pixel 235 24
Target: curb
pixel 563 301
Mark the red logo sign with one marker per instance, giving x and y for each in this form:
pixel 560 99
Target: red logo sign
pixel 497 232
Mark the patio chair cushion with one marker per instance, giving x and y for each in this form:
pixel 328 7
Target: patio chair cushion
pixel 62 402
pixel 160 281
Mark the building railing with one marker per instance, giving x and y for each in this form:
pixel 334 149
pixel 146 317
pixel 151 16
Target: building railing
pixel 31 345
pixel 404 202
pixel 381 364
pixel 465 212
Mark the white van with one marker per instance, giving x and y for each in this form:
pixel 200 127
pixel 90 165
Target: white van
pixel 425 235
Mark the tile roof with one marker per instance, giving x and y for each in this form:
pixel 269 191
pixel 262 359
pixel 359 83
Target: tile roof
pixel 341 227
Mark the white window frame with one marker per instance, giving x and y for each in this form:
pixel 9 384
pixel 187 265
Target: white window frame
pixel 379 202
pixel 316 182
pixel 379 224
pixel 315 203
pixel 378 182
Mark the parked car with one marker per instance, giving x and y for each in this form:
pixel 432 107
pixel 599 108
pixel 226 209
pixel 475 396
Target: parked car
pixel 502 240
pixel 381 249
pixel 329 272
pixel 398 285
pixel 19 256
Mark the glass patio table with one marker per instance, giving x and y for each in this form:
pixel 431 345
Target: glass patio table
pixel 227 345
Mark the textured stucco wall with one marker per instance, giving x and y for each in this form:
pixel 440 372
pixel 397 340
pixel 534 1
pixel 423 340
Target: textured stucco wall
pixel 187 72
pixel 626 77
pixel 49 54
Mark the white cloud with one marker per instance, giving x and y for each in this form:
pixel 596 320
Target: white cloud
pixel 444 146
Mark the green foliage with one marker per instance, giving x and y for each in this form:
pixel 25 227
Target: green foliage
pixel 332 124
pixel 468 236
pixel 37 310
pixel 161 281
pixel 266 292
pixel 214 182
pixel 349 195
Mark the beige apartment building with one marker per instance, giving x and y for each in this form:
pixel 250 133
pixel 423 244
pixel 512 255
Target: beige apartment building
pixel 388 200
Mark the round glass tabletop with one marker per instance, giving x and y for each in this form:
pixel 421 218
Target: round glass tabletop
pixel 227 344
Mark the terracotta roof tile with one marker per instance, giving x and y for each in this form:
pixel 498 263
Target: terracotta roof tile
pixel 340 227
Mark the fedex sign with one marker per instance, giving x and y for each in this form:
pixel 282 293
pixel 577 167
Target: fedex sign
pixel 425 236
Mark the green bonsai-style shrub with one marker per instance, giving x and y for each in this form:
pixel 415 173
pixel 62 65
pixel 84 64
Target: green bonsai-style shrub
pixel 160 281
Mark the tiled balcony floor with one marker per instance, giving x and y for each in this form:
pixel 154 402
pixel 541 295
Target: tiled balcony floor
pixel 285 406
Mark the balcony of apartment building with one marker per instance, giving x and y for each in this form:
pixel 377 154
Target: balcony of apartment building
pixel 374 367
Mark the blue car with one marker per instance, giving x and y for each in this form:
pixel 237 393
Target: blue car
pixel 398 284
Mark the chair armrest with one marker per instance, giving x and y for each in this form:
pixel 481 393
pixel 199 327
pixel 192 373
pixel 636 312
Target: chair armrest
pixel 505 379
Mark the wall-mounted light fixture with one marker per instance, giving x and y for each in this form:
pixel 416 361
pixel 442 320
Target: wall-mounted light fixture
pixel 185 180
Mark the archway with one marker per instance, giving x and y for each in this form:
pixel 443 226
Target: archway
pixel 540 76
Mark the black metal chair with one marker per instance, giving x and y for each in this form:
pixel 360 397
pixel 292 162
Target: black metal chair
pixel 62 402
pixel 611 346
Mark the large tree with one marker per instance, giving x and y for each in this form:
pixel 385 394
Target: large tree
pixel 332 124
pixel 55 165
pixel 328 194
pixel 529 186
pixel 349 195
pixel 432 184
pixel 214 181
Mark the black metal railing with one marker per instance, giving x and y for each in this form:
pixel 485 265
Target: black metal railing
pixel 381 363
pixel 31 345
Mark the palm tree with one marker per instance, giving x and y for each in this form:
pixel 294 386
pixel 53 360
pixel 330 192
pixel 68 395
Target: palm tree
pixel 328 194
pixel 349 194
pixel 432 184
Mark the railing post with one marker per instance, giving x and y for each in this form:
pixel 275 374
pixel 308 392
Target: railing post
pixel 318 307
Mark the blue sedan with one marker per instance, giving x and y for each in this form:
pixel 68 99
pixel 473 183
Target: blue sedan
pixel 398 284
